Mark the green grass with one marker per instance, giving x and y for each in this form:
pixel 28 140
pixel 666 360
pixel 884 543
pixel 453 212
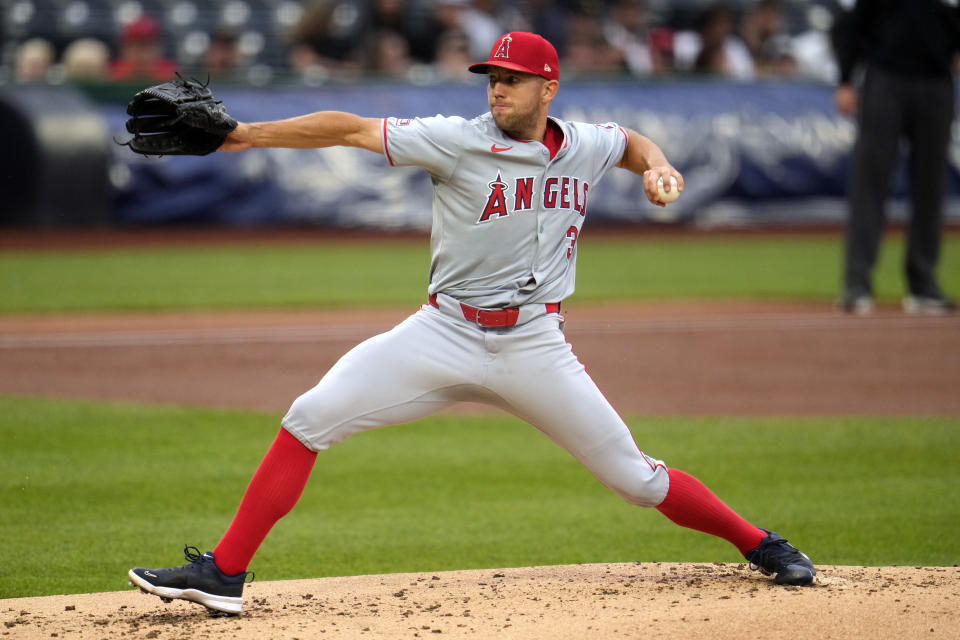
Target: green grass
pixel 804 267
pixel 149 279
pixel 89 489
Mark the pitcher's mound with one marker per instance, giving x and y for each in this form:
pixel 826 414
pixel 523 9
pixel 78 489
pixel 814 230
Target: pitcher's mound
pixel 650 600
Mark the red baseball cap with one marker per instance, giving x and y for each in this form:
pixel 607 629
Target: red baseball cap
pixel 143 29
pixel 522 51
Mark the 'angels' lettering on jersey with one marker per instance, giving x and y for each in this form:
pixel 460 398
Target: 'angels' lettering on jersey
pixel 565 192
pixel 561 192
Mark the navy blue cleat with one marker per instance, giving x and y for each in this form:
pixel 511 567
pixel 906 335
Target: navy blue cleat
pixel 198 581
pixel 774 557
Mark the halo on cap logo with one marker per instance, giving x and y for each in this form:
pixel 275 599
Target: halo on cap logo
pixel 503 51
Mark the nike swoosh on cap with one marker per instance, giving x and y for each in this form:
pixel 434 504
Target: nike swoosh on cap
pixel 497 149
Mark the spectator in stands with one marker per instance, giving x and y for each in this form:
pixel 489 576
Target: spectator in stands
pixel 906 52
pixel 661 51
pixel 453 57
pixel 588 54
pixel 812 49
pixel 625 29
pixel 712 60
pixel 223 59
pixel 778 58
pixel 415 23
pixel 762 31
pixel 329 39
pixel 33 61
pixel 471 19
pixel 714 47
pixel 389 55
pixel 86 60
pixel 141 54
pixel 548 18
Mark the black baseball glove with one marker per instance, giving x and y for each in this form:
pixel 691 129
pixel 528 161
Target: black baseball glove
pixel 180 117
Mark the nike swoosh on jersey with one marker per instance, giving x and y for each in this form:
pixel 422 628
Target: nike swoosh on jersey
pixel 497 149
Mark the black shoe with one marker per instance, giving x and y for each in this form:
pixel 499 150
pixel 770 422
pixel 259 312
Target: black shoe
pixel 774 557
pixel 928 305
pixel 199 581
pixel 858 304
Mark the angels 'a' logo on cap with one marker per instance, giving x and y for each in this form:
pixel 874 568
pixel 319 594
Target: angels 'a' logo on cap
pixel 503 51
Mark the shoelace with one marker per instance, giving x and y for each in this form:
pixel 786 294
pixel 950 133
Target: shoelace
pixel 192 554
pixel 196 559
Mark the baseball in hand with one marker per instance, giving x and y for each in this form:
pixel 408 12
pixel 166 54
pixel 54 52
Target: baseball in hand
pixel 667 196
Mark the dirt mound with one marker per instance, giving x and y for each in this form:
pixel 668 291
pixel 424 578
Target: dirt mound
pixel 716 601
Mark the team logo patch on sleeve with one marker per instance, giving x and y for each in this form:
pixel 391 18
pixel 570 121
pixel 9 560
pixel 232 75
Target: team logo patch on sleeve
pixel 402 122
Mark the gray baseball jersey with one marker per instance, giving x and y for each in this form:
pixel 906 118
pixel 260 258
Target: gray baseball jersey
pixel 506 216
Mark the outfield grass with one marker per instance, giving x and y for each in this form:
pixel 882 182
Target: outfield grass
pixel 805 267
pixel 89 489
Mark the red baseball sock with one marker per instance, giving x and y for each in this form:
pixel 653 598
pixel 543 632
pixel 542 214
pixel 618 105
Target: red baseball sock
pixel 274 489
pixel 690 504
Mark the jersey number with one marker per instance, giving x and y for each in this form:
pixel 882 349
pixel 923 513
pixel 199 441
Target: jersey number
pixel 572 234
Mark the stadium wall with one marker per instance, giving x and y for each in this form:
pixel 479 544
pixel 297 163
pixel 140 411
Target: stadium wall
pixel 759 154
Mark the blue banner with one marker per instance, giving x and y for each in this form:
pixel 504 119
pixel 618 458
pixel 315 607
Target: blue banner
pixel 751 155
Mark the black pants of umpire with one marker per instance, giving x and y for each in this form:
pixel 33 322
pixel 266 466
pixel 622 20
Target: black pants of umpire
pixel 918 111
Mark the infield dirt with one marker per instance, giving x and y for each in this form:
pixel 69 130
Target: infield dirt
pixel 667 601
pixel 678 358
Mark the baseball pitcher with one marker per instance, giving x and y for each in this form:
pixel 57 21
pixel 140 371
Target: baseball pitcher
pixel 511 192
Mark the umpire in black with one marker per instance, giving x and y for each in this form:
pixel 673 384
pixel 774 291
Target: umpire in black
pixel 902 52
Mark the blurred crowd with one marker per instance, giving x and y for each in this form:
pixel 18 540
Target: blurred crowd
pixel 315 41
